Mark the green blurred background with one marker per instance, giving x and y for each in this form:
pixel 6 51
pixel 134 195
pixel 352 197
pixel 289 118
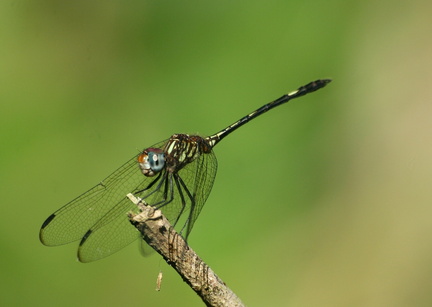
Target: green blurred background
pixel 324 202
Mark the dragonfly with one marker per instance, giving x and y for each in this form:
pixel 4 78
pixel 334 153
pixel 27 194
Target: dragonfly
pixel 175 176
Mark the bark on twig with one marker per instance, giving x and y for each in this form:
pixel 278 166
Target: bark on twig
pixel 161 236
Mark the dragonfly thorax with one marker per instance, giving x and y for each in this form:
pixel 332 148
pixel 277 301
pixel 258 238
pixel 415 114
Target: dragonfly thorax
pixel 182 149
pixel 151 161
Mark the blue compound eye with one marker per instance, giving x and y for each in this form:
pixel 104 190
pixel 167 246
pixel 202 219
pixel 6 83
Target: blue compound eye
pixel 156 161
pixel 151 161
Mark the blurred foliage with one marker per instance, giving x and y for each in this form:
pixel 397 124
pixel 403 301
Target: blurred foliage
pixel 324 202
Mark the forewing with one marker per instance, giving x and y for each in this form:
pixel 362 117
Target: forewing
pixel 72 221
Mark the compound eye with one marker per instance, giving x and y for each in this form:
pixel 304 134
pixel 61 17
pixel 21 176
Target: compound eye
pixel 151 161
pixel 156 161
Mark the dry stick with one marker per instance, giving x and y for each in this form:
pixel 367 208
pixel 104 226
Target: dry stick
pixel 161 236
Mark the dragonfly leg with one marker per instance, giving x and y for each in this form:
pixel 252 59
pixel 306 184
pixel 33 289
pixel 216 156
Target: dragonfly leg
pixel 192 208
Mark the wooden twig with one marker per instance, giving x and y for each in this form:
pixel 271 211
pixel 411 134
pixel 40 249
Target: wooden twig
pixel 161 236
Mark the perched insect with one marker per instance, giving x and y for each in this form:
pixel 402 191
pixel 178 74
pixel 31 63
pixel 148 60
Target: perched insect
pixel 175 175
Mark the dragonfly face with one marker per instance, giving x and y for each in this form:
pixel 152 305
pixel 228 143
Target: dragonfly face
pixel 151 161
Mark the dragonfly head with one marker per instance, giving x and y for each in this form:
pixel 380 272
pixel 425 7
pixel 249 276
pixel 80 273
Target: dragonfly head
pixel 151 161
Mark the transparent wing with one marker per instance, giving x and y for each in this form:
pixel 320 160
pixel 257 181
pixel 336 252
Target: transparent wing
pixel 206 168
pixel 73 221
pixel 110 234
pixel 198 177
